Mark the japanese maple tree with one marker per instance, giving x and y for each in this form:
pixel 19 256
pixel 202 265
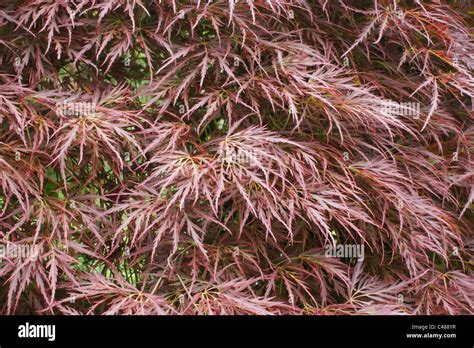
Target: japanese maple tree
pixel 200 157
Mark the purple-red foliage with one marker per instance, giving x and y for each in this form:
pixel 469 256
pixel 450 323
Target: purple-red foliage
pixel 215 149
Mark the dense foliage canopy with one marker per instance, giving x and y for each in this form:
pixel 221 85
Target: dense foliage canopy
pixel 200 157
